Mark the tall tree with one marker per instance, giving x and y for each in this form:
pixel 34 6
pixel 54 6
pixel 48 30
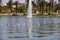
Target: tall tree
pixel 0 2
pixel 52 2
pixel 41 6
pixel 46 6
pixel 10 5
pixel 16 3
pixel 49 8
pixel 27 2
pixel 0 5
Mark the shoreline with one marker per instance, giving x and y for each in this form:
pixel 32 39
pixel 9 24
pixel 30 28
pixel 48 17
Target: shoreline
pixel 36 15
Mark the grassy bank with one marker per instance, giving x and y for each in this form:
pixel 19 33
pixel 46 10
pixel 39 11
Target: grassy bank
pixel 34 15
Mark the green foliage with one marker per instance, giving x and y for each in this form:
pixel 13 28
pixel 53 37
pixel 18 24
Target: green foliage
pixel 57 8
pixel 9 4
pixel 21 9
pixel 5 8
pixel 41 6
pixel 27 2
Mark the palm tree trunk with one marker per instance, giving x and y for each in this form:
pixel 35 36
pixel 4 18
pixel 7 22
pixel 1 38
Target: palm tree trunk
pixel 16 7
pixel 46 7
pixel 0 8
pixel 52 8
pixel 49 10
pixel 42 9
pixel 10 8
pixel 10 3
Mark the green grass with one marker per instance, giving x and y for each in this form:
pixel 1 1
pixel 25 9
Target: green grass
pixel 46 15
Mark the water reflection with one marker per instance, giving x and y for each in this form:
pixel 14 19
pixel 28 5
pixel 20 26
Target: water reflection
pixel 20 27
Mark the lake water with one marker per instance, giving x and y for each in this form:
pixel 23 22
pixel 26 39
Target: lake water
pixel 22 28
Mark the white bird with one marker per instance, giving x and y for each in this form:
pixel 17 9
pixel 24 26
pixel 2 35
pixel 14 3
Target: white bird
pixel 18 24
pixel 38 24
pixel 23 23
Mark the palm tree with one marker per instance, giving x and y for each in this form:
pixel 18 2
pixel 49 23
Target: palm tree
pixel 27 2
pixel 46 6
pixel 0 5
pixel 49 6
pixel 16 3
pixel 10 5
pixel 41 6
pixel 0 9
pixel 52 2
pixel 0 2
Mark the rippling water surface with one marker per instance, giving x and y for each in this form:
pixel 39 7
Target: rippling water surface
pixel 22 28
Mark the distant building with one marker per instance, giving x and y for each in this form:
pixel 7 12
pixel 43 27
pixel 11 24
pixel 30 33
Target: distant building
pixel 13 4
pixel 19 4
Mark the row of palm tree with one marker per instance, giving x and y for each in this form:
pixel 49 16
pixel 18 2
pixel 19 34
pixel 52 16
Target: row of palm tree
pixel 16 9
pixel 42 6
pixel 45 6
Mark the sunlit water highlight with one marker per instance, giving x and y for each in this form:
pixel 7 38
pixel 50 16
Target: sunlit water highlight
pixel 21 28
